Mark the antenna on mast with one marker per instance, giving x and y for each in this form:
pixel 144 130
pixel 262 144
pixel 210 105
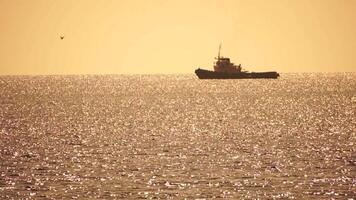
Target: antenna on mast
pixel 219 51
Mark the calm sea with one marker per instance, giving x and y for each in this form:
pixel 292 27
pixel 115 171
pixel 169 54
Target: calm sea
pixel 175 136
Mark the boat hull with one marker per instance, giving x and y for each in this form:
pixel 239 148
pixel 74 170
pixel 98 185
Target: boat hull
pixel 207 74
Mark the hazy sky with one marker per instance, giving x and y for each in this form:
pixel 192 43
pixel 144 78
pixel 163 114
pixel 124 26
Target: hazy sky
pixel 175 36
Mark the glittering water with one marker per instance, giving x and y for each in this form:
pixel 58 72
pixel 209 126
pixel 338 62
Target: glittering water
pixel 175 136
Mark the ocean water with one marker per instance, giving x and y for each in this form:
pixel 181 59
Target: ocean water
pixel 176 137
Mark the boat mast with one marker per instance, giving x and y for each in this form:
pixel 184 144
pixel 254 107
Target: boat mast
pixel 219 51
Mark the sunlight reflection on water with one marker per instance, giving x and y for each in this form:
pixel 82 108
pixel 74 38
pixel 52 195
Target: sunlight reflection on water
pixel 175 136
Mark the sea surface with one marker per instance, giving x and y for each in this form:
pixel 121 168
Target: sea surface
pixel 177 137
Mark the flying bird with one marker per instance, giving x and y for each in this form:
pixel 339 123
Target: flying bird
pixel 62 37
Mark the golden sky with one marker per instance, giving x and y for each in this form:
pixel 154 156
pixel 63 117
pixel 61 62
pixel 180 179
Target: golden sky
pixel 175 36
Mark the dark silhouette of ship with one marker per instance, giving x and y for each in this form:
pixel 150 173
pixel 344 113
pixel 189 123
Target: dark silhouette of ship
pixel 224 69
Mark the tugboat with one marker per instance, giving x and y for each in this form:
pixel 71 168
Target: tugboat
pixel 224 69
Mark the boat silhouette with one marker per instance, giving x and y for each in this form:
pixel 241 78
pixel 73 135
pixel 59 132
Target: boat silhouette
pixel 224 69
